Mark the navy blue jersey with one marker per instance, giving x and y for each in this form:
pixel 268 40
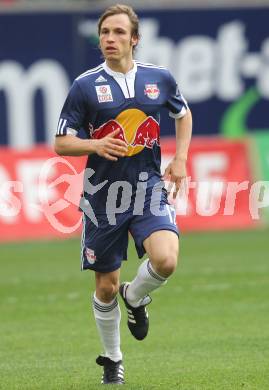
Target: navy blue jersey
pixel 101 100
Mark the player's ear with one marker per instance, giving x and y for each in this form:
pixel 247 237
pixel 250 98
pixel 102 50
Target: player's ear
pixel 134 40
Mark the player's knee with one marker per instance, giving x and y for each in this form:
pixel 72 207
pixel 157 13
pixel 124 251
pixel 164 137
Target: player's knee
pixel 107 290
pixel 169 266
pixel 166 265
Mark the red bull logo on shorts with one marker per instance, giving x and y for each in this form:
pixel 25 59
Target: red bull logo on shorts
pixel 90 255
pixel 137 129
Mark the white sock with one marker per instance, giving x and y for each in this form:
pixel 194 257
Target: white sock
pixel 107 317
pixel 145 281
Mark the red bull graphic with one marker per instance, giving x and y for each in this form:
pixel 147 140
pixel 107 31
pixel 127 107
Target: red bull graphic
pixel 108 128
pixel 147 134
pixel 136 128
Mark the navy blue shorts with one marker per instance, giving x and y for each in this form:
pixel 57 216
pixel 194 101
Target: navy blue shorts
pixel 103 248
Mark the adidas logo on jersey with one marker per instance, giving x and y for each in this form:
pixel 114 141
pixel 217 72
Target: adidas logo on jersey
pixel 100 79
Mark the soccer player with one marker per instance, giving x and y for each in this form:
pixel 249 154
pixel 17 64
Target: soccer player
pixel 117 104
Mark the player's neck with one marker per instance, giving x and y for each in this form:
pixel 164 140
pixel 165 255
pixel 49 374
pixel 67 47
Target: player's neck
pixel 123 66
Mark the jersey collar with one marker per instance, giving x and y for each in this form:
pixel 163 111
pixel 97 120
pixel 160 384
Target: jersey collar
pixel 129 75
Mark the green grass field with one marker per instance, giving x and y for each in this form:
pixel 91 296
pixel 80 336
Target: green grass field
pixel 209 324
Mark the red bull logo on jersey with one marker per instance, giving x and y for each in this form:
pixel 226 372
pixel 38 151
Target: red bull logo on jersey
pixel 137 129
pixel 152 91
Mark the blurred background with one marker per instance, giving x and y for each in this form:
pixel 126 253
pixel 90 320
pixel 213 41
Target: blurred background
pixel 218 51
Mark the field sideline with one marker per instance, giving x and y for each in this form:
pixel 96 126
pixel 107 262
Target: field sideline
pixel 209 325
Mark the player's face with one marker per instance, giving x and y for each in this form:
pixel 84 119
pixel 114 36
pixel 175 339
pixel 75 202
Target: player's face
pixel 116 41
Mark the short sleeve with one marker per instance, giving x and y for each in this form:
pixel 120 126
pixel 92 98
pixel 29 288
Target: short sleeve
pixel 176 103
pixel 73 112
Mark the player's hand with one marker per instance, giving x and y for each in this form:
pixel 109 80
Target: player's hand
pixel 175 172
pixel 110 147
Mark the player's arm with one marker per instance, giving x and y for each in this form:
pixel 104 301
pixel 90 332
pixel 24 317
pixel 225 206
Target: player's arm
pixel 179 110
pixel 108 147
pixel 72 118
pixel 176 169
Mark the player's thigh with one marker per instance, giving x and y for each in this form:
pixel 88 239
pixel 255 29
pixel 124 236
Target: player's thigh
pixel 161 243
pixel 156 234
